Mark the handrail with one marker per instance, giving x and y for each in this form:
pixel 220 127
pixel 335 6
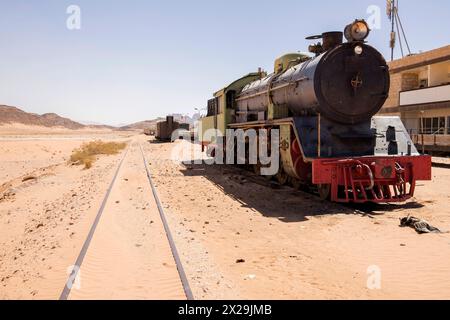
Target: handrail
pixel 437 132
pixel 420 131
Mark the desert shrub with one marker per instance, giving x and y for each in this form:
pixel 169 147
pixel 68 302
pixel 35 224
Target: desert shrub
pixel 88 152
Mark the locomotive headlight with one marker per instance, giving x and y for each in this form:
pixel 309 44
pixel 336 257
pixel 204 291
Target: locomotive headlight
pixel 358 50
pixel 357 31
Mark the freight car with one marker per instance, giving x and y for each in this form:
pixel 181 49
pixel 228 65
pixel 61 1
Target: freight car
pixel 164 129
pixel 323 106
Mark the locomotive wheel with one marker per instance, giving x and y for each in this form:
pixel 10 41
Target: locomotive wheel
pixel 324 191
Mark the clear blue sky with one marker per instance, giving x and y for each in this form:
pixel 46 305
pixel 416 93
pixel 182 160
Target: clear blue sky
pixel 139 59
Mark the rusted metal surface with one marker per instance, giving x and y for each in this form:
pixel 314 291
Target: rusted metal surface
pixel 374 179
pixel 324 85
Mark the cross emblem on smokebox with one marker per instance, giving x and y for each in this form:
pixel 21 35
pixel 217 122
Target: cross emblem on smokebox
pixel 357 82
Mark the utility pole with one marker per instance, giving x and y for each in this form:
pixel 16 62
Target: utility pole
pixel 390 11
pixel 396 24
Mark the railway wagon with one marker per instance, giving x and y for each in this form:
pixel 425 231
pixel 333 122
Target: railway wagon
pixel 164 129
pixel 323 105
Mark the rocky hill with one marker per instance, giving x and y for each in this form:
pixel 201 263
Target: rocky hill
pixel 9 115
pixel 147 124
pixel 151 124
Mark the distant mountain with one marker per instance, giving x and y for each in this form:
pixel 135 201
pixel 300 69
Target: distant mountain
pixel 15 115
pixel 92 123
pixel 147 124
pixel 10 115
pixel 151 124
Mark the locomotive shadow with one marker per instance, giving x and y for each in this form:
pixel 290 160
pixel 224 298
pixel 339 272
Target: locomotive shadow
pixel 257 193
pixel 155 141
pixel 281 202
pixel 380 208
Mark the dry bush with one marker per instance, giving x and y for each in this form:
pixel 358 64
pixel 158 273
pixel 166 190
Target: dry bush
pixel 86 155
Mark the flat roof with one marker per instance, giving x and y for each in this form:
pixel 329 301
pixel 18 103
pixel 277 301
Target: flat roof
pixel 420 59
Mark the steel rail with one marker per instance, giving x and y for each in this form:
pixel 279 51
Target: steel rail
pixel 182 274
pixel 72 277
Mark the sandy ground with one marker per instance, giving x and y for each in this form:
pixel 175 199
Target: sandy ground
pixel 18 129
pixel 292 245
pixel 44 221
pixel 295 246
pixel 47 208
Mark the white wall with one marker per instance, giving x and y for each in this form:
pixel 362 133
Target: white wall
pixel 426 95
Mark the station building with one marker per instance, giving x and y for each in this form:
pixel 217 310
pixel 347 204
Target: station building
pixel 420 95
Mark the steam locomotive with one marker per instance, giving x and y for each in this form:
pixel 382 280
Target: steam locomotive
pixel 324 106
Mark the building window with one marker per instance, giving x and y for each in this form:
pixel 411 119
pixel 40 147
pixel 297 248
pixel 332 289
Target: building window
pixel 433 125
pixel 212 107
pixel 448 125
pixel 423 83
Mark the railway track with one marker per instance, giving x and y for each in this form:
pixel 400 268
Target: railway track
pixel 104 273
pixel 184 280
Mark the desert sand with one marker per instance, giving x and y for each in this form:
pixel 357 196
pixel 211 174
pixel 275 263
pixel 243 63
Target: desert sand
pixel 296 246
pixel 289 244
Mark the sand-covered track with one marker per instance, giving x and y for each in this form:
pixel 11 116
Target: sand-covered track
pixel 128 253
pixel 173 248
pixel 76 267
